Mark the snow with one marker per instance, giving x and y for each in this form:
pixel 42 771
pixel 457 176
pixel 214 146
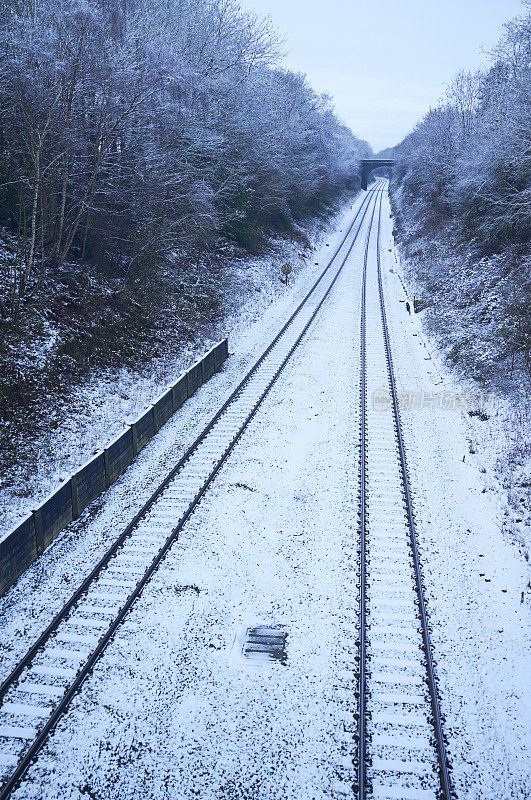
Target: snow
pixel 43 589
pixel 473 574
pixel 239 551
pixel 173 710
pixel 99 409
pixel 466 318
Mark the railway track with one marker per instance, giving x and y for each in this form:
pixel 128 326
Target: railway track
pixel 40 688
pixel 400 748
pixel 400 745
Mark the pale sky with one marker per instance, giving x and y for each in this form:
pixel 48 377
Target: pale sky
pixel 385 62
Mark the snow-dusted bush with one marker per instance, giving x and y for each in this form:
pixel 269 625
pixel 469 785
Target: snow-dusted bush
pixel 462 190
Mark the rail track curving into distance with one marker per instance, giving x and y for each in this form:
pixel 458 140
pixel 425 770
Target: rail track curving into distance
pixel 39 690
pixel 401 752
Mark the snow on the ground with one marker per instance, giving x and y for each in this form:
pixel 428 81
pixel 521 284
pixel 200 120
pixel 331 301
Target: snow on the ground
pixel 475 577
pixel 46 585
pixel 455 321
pixel 99 410
pixel 270 544
pixel 171 710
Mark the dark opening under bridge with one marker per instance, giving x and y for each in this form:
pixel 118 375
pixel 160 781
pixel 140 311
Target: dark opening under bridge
pixel 368 164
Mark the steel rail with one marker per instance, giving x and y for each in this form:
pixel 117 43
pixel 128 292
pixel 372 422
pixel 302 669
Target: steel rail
pixel 362 735
pixel 445 783
pixel 444 770
pixel 87 667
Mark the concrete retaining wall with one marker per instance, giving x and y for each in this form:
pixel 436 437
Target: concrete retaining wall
pixel 21 546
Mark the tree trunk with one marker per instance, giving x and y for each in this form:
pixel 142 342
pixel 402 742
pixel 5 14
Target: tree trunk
pixel 29 258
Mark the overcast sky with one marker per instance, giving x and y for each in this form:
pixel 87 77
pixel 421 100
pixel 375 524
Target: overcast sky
pixel 385 61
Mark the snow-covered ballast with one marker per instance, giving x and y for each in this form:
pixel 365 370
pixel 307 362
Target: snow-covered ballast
pixel 21 546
